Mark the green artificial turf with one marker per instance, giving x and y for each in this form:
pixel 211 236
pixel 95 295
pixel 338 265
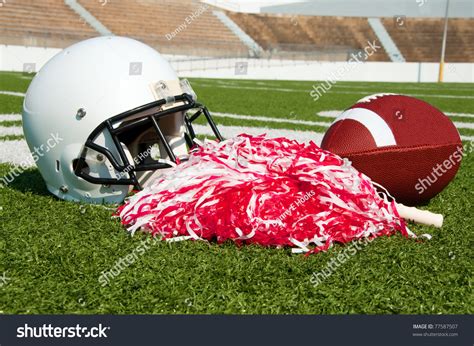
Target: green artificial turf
pixel 53 252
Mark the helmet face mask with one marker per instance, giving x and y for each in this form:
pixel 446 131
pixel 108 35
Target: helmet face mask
pixel 119 129
pixel 140 156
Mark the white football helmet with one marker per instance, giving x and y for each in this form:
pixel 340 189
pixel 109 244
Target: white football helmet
pixel 121 115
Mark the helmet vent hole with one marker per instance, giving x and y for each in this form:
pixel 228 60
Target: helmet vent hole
pixel 57 165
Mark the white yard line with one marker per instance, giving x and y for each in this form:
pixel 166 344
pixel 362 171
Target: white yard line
pixel 11 131
pixel 466 115
pixel 232 131
pixel 12 93
pixel 330 114
pixel 254 88
pixel 270 119
pixel 330 91
pixel 335 114
pixel 10 117
pixel 16 152
pixel 302 136
pixel 459 125
pixel 339 85
pixel 409 94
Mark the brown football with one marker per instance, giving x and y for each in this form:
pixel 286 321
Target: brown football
pixel 404 144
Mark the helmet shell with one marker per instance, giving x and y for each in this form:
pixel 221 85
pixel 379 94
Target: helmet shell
pixel 79 88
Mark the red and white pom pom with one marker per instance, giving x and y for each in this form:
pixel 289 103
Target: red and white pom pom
pixel 267 191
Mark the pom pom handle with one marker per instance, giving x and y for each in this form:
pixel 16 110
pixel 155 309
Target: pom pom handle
pixel 420 216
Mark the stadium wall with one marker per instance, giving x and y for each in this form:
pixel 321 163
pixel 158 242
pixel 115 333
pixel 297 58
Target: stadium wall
pixel 15 58
pixel 323 70
pixel 25 59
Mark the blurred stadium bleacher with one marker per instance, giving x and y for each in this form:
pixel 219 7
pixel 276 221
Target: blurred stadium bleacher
pixel 41 23
pixel 419 39
pixel 202 33
pixel 323 38
pixel 152 21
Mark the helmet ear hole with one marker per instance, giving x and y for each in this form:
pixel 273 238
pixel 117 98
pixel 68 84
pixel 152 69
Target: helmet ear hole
pixel 85 167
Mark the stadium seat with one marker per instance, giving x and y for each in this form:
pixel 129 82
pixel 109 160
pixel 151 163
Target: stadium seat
pixel 420 39
pixel 324 38
pixel 48 23
pixel 154 22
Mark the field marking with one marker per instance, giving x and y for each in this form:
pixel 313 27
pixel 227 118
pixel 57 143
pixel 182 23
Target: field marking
pixel 270 119
pixel 232 131
pixel 335 114
pixel 16 152
pixel 331 91
pixel 10 117
pixel 11 131
pixel 324 114
pixel 330 114
pixel 303 136
pixel 463 125
pixel 254 88
pixel 16 117
pixel 406 87
pixel 409 94
pixel 466 115
pixel 340 85
pixel 459 125
pixel 12 93
pixel 277 86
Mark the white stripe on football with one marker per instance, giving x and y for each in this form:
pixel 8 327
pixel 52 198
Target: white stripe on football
pixel 378 128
